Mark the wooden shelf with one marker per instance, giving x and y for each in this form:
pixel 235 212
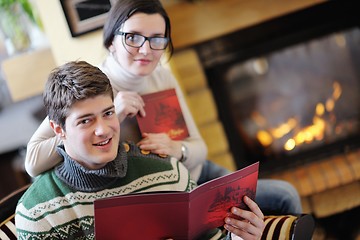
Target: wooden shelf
pixel 194 22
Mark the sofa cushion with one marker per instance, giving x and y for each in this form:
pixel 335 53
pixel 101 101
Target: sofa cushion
pixel 288 227
pixel 8 229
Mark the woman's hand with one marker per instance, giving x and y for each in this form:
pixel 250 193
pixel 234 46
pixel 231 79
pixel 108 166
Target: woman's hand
pixel 160 143
pixel 128 104
pixel 251 225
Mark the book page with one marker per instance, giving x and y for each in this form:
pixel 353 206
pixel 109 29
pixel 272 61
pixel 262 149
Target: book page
pixel 210 203
pixel 163 115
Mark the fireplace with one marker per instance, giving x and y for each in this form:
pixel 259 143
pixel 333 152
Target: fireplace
pixel 287 90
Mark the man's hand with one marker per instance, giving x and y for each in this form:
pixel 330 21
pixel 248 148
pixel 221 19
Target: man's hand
pixel 251 225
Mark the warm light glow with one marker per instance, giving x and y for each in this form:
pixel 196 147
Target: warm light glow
pixel 337 90
pixel 308 136
pixel 330 104
pixel 284 128
pixel 281 130
pixel 264 138
pixel 320 109
pixel 300 138
pixel 316 131
pixel 319 122
pixel 290 144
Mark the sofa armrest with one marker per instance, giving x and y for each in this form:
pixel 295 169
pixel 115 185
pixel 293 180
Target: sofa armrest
pixel 289 227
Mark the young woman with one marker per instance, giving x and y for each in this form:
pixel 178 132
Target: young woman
pixel 137 34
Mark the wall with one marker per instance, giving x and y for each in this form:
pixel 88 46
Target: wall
pixel 64 47
pixel 203 20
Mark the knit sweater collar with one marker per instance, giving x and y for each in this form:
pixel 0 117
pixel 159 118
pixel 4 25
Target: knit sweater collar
pixel 82 179
pixel 120 78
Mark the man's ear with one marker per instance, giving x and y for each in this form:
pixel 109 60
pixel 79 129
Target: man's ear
pixel 58 130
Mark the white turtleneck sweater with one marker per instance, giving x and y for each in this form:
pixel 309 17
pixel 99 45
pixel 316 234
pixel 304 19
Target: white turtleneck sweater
pixel 41 154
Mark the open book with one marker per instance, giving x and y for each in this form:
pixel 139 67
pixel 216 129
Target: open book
pixel 177 215
pixel 163 115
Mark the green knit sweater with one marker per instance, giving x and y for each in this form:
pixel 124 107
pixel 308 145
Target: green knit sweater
pixel 59 204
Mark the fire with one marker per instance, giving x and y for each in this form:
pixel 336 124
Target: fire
pixel 301 135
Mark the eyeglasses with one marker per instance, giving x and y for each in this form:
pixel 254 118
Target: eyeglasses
pixel 137 40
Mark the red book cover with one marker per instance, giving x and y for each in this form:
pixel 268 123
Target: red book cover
pixel 177 215
pixel 163 115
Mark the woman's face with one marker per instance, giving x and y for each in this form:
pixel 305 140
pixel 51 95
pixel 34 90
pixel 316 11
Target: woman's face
pixel 139 61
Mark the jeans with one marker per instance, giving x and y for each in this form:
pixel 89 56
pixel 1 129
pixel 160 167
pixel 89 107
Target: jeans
pixel 274 197
pixel 211 171
pixel 277 197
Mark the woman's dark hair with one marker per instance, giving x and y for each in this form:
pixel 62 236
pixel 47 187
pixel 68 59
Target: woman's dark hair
pixel 124 9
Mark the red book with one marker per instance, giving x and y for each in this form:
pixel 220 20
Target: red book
pixel 177 215
pixel 163 115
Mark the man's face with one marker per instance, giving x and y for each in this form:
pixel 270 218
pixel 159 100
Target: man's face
pixel 92 132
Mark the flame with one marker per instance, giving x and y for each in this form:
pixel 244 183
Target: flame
pixel 290 144
pixel 264 138
pixel 337 90
pixel 319 109
pixel 284 128
pixel 323 114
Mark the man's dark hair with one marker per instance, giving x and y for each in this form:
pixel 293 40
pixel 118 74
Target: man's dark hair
pixel 70 83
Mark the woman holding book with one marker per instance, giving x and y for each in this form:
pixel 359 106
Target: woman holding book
pixel 137 34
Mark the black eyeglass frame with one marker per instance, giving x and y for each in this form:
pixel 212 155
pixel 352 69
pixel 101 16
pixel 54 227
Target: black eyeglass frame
pixel 118 32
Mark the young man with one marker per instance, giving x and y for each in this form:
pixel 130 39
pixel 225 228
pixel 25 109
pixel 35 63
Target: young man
pixel 59 204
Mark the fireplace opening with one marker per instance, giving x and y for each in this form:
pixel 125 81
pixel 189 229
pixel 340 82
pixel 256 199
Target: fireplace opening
pixel 287 90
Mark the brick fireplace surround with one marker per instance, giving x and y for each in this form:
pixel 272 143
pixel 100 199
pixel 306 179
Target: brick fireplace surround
pixel 327 187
